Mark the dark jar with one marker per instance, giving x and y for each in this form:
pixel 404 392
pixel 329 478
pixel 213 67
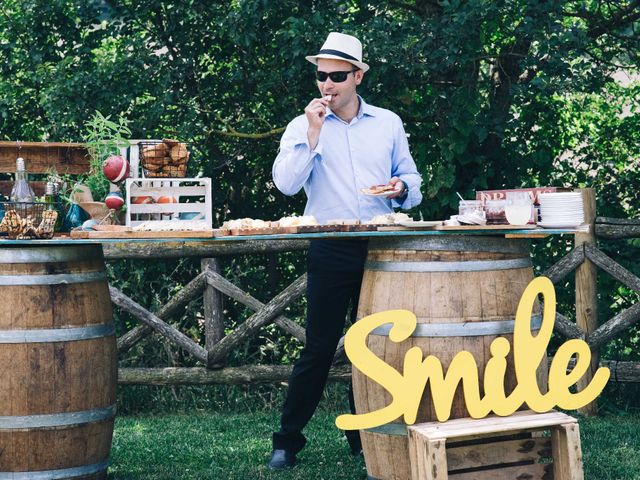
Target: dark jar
pixel 494 210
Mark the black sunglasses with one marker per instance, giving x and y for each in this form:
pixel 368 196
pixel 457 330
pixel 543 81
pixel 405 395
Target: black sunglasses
pixel 336 77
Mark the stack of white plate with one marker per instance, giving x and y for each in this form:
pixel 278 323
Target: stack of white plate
pixel 561 210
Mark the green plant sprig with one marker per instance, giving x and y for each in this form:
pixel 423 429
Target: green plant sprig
pixel 103 137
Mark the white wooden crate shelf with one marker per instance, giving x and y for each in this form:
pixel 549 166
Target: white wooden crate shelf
pixel 193 196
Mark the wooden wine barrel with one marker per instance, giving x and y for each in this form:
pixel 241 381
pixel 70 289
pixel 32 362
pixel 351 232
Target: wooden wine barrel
pixel 464 292
pixel 57 363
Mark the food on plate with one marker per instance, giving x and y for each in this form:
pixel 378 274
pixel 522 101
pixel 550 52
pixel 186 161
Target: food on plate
pixel 344 221
pixel 171 225
pixel 244 223
pixel 295 221
pixel 115 168
pixel 378 189
pixel 389 218
pixel 250 223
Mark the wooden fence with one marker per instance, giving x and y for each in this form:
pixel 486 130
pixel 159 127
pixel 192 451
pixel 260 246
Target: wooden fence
pixel 211 351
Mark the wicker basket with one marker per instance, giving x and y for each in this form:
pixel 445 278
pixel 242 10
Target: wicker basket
pixel 165 159
pixel 29 209
pixel 33 209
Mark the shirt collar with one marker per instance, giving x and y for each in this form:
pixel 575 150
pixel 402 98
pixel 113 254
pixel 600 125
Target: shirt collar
pixel 364 109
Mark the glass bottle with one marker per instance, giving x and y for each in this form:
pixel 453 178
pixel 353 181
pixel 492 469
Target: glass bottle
pixel 59 207
pixel 51 199
pixel 49 195
pixel 21 191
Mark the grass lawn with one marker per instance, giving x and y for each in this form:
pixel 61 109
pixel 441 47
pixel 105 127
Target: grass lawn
pixel 236 446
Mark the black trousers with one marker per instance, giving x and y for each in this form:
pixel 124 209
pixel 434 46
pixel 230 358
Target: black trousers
pixel 334 275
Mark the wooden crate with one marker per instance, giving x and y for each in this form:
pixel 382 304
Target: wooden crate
pixel 41 158
pixel 496 448
pixel 193 197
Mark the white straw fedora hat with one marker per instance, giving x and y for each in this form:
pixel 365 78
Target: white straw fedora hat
pixel 339 46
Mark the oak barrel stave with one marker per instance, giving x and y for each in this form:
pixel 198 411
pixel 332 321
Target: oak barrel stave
pixel 58 366
pixel 466 290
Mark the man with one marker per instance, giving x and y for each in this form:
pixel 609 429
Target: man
pixel 338 147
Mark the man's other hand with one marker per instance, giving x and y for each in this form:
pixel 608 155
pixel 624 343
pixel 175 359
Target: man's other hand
pixel 398 187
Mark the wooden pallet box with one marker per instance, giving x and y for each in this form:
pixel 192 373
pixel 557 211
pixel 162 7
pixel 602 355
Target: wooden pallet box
pixel 496 448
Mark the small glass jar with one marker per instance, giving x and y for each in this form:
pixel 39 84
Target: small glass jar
pixel 494 210
pixel 470 207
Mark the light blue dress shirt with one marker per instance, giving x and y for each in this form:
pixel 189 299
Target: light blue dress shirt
pixel 368 151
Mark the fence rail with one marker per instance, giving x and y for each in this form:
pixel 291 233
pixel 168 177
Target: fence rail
pixel 583 261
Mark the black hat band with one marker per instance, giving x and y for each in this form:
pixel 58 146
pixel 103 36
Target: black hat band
pixel 338 53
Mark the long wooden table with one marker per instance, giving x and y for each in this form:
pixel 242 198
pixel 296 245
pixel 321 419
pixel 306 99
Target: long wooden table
pixel 206 248
pixel 509 233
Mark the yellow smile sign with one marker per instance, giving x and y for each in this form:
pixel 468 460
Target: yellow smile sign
pixel 406 388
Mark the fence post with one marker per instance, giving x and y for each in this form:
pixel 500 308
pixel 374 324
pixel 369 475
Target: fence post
pixel 587 293
pixel 213 314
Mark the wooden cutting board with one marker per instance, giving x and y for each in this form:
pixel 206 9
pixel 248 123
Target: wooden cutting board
pixel 277 230
pixel 238 232
pixel 367 227
pixel 318 228
pixel 124 234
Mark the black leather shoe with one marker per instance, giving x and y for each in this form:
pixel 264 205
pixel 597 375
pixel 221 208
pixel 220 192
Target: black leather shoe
pixel 281 459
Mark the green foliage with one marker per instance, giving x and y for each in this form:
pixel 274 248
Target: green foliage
pixel 482 86
pixel 104 137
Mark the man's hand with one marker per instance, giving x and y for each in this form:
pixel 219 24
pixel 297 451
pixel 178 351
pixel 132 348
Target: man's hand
pixel 398 186
pixel 315 113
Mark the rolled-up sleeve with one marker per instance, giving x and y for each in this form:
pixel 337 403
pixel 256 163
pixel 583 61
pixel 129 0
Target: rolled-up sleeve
pixel 294 162
pixel 405 169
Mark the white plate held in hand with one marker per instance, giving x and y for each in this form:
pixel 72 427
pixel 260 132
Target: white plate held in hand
pixel 387 193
